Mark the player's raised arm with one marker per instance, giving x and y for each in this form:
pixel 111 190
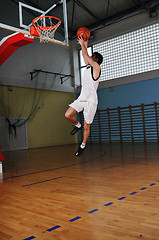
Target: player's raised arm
pixel 87 59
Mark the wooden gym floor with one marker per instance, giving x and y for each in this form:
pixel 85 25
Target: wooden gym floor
pixel 111 192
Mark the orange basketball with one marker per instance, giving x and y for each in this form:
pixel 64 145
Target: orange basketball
pixel 84 33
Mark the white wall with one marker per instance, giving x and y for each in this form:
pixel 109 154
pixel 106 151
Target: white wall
pixel 51 57
pixel 15 71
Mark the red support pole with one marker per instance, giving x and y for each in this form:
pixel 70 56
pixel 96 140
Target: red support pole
pixel 2 158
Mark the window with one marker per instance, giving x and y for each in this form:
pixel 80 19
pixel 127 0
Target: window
pixel 131 53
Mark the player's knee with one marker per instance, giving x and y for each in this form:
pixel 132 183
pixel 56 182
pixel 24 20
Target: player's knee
pixel 67 115
pixel 86 127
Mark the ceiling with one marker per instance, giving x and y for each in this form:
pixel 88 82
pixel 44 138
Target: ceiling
pixel 96 14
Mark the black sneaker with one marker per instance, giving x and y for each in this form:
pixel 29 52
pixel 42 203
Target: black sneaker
pixel 76 129
pixel 79 151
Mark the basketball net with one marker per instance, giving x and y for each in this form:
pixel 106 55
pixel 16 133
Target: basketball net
pixel 46 32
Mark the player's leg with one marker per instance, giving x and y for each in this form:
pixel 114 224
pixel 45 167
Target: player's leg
pixel 70 115
pixel 89 113
pixel 86 132
pixel 85 137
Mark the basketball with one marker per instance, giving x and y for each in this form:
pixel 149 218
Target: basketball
pixel 84 33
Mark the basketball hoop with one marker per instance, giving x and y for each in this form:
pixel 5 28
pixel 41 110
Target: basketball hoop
pixel 45 27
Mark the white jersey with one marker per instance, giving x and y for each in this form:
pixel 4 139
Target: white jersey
pixel 89 87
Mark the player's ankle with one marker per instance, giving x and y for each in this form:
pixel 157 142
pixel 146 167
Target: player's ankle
pixel 83 145
pixel 78 125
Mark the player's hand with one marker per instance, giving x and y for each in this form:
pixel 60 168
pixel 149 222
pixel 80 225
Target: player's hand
pixel 83 42
pixel 80 41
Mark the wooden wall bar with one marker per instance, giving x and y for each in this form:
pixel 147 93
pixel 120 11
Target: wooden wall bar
pixel 126 124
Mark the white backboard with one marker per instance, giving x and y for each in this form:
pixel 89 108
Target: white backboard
pixel 18 17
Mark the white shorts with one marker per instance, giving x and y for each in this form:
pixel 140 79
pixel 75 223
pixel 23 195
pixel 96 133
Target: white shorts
pixel 89 109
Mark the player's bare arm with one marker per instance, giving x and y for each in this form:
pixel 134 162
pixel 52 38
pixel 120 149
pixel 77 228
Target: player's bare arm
pixel 88 59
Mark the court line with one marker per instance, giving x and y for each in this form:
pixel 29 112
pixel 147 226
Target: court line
pixel 143 188
pixel 121 198
pixel 92 211
pixel 41 182
pixel 57 168
pixel 74 219
pixel 53 228
pixel 29 238
pixel 133 193
pixel 51 169
pixel 108 204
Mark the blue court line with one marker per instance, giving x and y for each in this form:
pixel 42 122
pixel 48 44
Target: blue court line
pixel 74 219
pixel 121 198
pixel 53 228
pixel 41 182
pixel 29 238
pixel 108 204
pixel 143 188
pixel 57 168
pixel 133 193
pixel 94 210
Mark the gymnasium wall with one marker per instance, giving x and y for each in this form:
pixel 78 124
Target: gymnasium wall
pixel 143 92
pixel 43 129
pixel 55 58
pixel 50 57
pixel 134 90
pixel 47 125
pixel 127 113
pixel 116 29
pixel 52 97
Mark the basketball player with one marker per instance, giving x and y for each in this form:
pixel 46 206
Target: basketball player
pixel 88 100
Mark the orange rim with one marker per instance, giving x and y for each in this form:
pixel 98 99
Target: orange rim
pixel 48 27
